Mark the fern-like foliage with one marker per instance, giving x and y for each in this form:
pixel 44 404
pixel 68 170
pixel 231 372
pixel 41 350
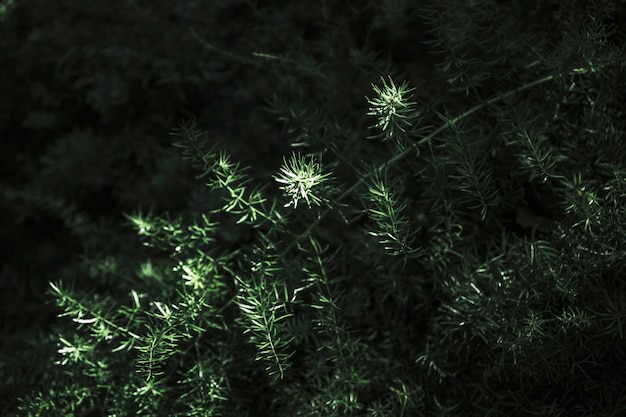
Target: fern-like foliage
pixel 393 228
pixel 263 301
pixel 426 250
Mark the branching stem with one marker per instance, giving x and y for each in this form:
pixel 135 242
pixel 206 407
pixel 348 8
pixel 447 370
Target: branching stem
pixel 428 138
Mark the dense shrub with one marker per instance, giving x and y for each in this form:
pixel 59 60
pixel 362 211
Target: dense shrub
pixel 433 222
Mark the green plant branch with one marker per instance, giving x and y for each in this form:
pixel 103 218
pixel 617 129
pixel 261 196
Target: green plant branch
pixel 428 138
pixel 80 308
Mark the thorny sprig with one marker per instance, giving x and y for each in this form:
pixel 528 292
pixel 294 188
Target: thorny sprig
pixel 392 108
pixel 303 179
